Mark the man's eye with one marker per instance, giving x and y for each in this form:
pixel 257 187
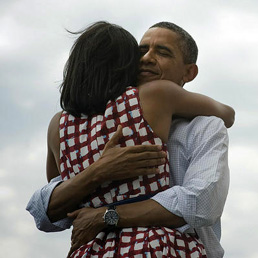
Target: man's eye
pixel 164 54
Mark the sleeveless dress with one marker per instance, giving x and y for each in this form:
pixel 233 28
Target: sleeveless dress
pixel 82 141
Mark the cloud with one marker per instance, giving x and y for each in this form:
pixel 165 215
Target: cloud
pixel 34 47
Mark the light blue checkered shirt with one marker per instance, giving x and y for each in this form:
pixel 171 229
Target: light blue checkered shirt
pixel 198 154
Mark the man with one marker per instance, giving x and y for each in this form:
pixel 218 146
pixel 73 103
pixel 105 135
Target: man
pixel 198 167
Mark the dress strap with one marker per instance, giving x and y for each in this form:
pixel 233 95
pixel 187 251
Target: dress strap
pixel 132 200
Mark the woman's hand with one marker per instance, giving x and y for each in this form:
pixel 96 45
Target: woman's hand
pixel 88 222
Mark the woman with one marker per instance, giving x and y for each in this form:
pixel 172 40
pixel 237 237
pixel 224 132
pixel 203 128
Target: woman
pixel 97 96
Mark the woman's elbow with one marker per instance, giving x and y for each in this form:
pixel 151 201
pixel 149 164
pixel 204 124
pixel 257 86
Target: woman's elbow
pixel 230 114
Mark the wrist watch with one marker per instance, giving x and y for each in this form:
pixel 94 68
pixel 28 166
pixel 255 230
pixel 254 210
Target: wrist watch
pixel 111 216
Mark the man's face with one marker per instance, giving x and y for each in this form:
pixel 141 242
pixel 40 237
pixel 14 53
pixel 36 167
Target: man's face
pixel 161 58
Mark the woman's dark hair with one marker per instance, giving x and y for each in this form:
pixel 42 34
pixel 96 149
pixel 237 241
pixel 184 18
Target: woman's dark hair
pixel 102 63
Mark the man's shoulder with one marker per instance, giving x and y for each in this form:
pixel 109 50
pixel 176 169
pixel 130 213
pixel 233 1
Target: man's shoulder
pixel 200 125
pixel 198 131
pixel 199 121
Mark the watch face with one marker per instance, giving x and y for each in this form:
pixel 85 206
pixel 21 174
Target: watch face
pixel 111 217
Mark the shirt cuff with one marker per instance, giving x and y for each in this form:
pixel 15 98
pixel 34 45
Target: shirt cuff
pixel 169 200
pixel 38 206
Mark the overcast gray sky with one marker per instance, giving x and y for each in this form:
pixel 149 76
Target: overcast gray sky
pixel 33 49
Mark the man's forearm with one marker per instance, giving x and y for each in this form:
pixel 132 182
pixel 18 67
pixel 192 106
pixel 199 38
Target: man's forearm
pixel 88 222
pixel 68 195
pixel 147 213
pixel 115 163
pixel 37 206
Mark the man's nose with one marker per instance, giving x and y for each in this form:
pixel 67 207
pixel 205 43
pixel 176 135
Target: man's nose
pixel 148 57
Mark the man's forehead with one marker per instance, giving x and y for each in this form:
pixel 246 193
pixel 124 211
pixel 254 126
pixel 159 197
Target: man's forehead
pixel 160 36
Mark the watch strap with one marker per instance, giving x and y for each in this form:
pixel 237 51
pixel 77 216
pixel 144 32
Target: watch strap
pixel 111 207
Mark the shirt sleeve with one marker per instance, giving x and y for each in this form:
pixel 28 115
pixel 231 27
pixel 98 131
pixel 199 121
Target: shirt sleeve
pixel 38 206
pixel 201 197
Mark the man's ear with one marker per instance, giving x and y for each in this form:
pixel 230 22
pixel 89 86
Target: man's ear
pixel 191 72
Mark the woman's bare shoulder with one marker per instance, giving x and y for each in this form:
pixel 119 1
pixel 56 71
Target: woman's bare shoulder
pixel 53 128
pixel 159 87
pixel 157 105
pixel 157 84
pixel 55 121
pixel 161 90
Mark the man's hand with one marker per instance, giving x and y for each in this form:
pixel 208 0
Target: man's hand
pixel 88 222
pixel 131 161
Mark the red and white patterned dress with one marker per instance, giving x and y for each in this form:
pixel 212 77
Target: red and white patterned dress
pixel 82 141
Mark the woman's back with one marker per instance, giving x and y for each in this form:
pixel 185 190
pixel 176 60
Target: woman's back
pixel 83 139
